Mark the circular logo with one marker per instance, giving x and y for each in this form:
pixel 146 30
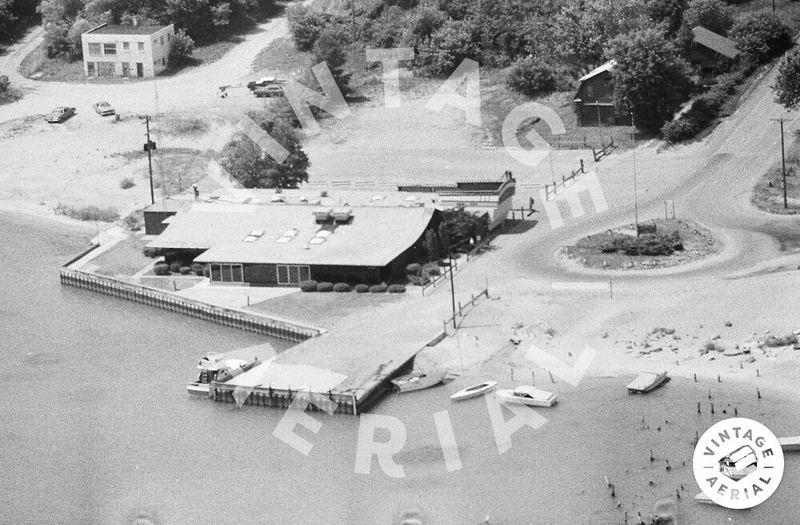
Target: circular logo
pixel 738 463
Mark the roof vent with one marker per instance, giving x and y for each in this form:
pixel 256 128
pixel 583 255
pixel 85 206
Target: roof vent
pixel 322 215
pixel 316 240
pixel 324 234
pixel 342 214
pixel 288 235
pixel 253 236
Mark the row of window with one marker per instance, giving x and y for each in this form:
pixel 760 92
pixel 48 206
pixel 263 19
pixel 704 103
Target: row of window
pixel 111 47
pixel 287 273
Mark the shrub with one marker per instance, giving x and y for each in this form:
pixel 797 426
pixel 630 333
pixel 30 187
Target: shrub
pixel 151 252
pixel 87 213
pixel 161 268
pixel 532 77
pixel 325 287
pixel 181 48
pixel 175 266
pixel 378 288
pixel 341 287
pixel 133 221
pixel 649 245
pixel 305 25
pixel 679 130
pixel 432 269
pixel 185 270
pixel 711 346
pixel 198 269
pixel 362 288
pixel 126 183
pixel 397 288
pixel 308 286
pixel 761 36
pixel 413 268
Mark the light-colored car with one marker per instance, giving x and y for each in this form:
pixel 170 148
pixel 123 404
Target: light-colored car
pixel 60 114
pixel 104 108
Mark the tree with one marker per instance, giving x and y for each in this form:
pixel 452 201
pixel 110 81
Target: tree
pixel 305 25
pixel 180 48
pixel 74 42
pixel 787 84
pixel 449 45
pixel 761 36
pixel 246 163
pixel 650 78
pixel 330 48
pixel 7 18
pixel 714 15
pixel 669 12
pixel 532 77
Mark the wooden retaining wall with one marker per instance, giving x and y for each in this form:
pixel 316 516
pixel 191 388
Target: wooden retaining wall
pixel 232 317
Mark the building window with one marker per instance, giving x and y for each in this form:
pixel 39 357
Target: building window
pixel 109 49
pixel 90 70
pixel 126 46
pixel 161 40
pixel 293 274
pixel 141 46
pixel 227 273
pixel 94 49
pixel 126 69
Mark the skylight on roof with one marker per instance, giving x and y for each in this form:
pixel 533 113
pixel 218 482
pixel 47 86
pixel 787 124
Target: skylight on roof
pixel 324 234
pixel 316 240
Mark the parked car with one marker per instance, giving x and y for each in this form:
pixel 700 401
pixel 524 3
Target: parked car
pixel 60 114
pixel 262 82
pixel 104 109
pixel 273 90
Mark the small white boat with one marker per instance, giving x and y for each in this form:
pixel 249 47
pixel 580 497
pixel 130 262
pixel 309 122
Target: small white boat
pixel 702 498
pixel 474 391
pixel 418 380
pixel 221 367
pixel 528 395
pixel 790 444
pixel 199 389
pixel 646 382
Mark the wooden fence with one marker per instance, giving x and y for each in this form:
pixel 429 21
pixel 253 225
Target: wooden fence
pixel 227 316
pixel 466 307
pixel 604 150
pixel 550 190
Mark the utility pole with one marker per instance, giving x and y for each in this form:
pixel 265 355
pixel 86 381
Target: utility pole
pixel 635 199
pixel 148 147
pixel 452 289
pixel 783 165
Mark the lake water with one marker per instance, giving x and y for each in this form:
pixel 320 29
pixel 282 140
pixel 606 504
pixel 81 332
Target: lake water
pixel 97 428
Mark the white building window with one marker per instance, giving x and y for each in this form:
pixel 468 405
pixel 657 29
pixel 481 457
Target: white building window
pixel 94 49
pixel 126 46
pixel 109 49
pixel 292 274
pixel 141 46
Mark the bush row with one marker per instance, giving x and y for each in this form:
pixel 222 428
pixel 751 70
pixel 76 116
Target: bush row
pixel 314 286
pixel 162 268
pixel 648 244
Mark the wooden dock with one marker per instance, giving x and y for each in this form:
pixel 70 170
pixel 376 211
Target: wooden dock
pixel 350 367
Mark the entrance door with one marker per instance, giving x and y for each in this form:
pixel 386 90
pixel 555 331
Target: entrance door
pixel 126 69
pixel 139 69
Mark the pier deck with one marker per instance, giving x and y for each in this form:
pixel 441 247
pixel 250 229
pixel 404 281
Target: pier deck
pixel 349 366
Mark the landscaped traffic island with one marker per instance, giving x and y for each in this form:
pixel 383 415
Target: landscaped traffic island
pixel 660 244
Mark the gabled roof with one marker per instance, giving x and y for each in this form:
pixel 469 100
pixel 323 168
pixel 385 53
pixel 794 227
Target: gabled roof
pixel 127 29
pixel 375 236
pixel 718 43
pixel 608 66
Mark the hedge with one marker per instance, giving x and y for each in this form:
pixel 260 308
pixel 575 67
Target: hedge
pixel 378 288
pixel 175 267
pixel 198 269
pixel 341 287
pixel 185 270
pixel 325 287
pixel 161 268
pixel 362 288
pixel 413 268
pixel 308 286
pixel 432 269
pixel 397 288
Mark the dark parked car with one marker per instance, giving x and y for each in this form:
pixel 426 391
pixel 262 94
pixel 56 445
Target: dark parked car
pixel 104 109
pixel 60 114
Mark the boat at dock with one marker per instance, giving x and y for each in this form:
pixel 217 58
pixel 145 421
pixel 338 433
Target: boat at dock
pixel 418 380
pixel 474 391
pixel 647 382
pixel 221 367
pixel 528 395
pixel 702 498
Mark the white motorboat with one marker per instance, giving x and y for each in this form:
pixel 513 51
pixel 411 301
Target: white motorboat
pixel 646 382
pixel 418 380
pixel 528 395
pixel 474 391
pixel 221 367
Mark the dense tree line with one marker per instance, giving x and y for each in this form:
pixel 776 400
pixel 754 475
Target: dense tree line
pixel 202 21
pixel 549 43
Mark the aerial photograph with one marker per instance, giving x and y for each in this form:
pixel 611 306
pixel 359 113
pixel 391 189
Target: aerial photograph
pixel 401 262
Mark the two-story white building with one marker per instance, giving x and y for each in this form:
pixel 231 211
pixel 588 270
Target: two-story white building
pixel 126 50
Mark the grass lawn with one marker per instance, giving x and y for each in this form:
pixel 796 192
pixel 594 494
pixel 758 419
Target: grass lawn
pixel 174 169
pixel 698 242
pixel 282 59
pixel 326 310
pixel 788 10
pixel 768 193
pixel 125 258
